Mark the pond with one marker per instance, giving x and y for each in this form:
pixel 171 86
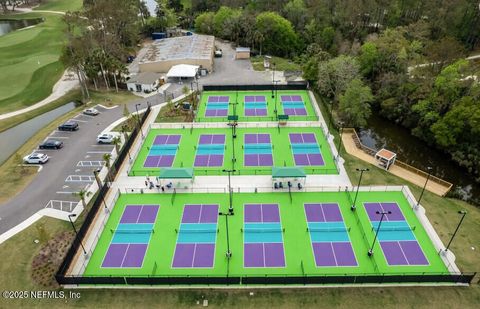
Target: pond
pixel 14 138
pixel 383 133
pixel 9 25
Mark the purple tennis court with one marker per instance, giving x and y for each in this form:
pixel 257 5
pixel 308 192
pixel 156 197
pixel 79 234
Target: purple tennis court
pixel 131 238
pixel 163 151
pixel 197 235
pixel 255 105
pixel 305 149
pixel 331 243
pixel 217 106
pixel 397 240
pixel 210 150
pixel 263 236
pixel 293 105
pixel 257 150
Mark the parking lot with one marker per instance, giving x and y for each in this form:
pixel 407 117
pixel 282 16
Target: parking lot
pixel 69 170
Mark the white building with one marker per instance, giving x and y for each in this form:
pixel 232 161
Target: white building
pixel 143 82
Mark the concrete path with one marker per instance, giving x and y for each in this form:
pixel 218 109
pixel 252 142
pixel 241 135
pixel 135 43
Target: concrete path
pixel 68 82
pixel 410 176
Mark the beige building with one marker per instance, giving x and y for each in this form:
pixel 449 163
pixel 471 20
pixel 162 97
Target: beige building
pixel 193 49
pixel 242 53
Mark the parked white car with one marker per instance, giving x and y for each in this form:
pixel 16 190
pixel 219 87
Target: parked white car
pixel 105 138
pixel 91 112
pixel 36 158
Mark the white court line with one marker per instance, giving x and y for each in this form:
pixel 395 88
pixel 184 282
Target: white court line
pixel 84 115
pixel 66 137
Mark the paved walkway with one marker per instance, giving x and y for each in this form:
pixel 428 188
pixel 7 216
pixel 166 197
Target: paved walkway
pixel 416 179
pixel 68 82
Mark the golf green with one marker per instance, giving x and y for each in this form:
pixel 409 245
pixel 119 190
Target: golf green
pixel 255 105
pixel 185 151
pixel 165 235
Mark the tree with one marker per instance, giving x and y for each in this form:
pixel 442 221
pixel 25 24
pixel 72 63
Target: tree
pixel 444 51
pixel 107 157
pixel 297 13
pixel 222 18
pixel 368 59
pixel 335 74
pixel 279 36
pixel 83 194
pixel 204 23
pixel 354 108
pixel 117 141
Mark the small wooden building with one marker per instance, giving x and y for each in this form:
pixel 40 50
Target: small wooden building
pixel 242 53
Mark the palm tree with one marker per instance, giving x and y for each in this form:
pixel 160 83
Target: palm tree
pixel 107 157
pixel 83 194
pixel 117 141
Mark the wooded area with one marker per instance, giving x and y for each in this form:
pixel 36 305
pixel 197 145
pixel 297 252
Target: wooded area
pixel 403 58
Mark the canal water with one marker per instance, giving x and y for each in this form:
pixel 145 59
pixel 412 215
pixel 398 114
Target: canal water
pixel 382 133
pixel 14 138
pixel 9 25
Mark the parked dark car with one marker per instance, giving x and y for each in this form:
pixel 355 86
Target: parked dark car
pixel 69 126
pixel 51 144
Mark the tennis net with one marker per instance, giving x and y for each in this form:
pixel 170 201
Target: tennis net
pixel 211 146
pixel 258 146
pixel 196 231
pixel 395 228
pixel 164 147
pixel 265 230
pixel 131 231
pixel 305 146
pixel 329 229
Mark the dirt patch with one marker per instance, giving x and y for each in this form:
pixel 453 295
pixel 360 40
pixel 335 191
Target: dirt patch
pixel 47 261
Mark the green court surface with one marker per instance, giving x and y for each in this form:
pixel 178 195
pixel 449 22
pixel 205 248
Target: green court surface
pixel 158 259
pixel 267 103
pixel 187 150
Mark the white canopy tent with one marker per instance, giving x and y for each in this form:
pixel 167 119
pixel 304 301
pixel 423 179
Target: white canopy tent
pixel 183 70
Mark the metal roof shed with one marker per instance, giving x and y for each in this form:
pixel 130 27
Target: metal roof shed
pixel 176 173
pixel 288 172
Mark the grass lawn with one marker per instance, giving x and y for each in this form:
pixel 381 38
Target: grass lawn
pixel 60 5
pixel 282 64
pixel 247 110
pixel 111 98
pixel 29 62
pixel 185 155
pixel 8 123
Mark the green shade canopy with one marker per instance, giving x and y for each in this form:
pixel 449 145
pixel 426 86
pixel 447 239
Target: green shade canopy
pixel 282 117
pixel 288 172
pixel 176 173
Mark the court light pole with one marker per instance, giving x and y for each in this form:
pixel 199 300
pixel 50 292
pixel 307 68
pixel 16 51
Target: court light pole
pixel 70 216
pixel 361 170
pixel 429 169
pixel 275 86
pixel 226 215
pixel 383 213
pixel 233 125
pixel 138 119
pixel 339 147
pixel 230 192
pixel 463 213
